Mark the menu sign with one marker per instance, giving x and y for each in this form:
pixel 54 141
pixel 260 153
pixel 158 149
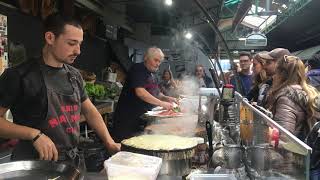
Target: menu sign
pixel 3 43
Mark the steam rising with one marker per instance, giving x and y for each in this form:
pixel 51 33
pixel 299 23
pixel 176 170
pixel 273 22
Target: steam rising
pixel 186 125
pixel 181 126
pixel 189 86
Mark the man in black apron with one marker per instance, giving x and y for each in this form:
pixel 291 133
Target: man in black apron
pixel 46 97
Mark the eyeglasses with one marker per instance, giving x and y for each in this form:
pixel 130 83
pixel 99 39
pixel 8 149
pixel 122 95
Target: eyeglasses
pixel 244 60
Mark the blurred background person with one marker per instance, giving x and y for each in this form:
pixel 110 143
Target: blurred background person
pixel 245 77
pixel 259 78
pixel 313 74
pixel 228 75
pixel 168 85
pixel 202 78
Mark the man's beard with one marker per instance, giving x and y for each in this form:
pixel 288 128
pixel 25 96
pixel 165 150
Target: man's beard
pixel 154 70
pixel 68 60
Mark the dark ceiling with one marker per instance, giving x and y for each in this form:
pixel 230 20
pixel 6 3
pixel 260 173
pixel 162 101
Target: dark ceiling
pixel 155 10
pixel 300 31
pixel 182 15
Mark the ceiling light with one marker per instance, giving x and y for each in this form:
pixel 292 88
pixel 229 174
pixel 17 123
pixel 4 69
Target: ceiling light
pixel 188 35
pixel 168 2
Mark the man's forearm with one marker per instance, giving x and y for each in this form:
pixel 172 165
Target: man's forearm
pixel 162 97
pixel 147 97
pixel 95 121
pixel 13 131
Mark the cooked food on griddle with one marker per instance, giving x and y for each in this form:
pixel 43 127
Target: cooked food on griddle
pixel 160 142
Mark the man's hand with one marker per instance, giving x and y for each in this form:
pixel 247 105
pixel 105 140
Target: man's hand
pixel 166 105
pixel 171 99
pixel 46 148
pixel 114 147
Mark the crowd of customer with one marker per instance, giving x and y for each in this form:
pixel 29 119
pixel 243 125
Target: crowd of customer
pixel 288 87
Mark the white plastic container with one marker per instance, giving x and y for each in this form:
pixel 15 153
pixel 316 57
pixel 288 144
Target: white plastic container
pixel 132 166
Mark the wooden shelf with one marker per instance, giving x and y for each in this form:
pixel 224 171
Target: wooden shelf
pixel 103 108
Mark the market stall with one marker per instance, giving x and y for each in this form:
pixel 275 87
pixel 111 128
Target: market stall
pixel 247 144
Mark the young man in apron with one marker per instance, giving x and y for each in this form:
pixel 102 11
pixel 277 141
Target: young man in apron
pixel 46 96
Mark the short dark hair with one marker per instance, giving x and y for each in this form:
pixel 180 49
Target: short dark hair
pixel 245 54
pixel 55 23
pixel 314 61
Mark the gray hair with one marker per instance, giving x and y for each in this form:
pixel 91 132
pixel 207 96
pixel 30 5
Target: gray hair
pixel 152 51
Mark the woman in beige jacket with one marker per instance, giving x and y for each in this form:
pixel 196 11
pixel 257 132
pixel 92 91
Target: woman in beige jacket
pixel 292 101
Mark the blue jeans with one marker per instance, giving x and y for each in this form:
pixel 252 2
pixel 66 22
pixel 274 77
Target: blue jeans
pixel 315 174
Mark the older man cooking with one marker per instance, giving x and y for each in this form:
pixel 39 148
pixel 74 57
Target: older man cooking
pixel 140 93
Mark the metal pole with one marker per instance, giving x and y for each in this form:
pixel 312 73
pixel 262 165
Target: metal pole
pixel 268 2
pixel 257 5
pixel 214 68
pixel 213 25
pixel 211 63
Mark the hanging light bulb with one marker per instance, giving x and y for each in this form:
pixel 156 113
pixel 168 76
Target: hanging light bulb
pixel 188 35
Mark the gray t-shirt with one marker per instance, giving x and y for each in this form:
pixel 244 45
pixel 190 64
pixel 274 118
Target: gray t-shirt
pixel 58 80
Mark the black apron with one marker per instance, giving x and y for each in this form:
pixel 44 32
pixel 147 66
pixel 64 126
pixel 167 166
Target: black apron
pixel 127 121
pixel 61 124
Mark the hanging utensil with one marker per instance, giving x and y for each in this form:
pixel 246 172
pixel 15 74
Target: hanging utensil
pixel 209 134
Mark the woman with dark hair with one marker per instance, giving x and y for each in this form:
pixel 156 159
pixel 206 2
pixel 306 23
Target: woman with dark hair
pixel 168 86
pixel 202 78
pixel 259 78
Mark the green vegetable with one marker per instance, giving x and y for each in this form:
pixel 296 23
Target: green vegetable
pixel 95 90
pixel 111 92
pixel 176 109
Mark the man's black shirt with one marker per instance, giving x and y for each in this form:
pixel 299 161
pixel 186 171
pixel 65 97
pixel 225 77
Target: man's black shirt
pixel 130 107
